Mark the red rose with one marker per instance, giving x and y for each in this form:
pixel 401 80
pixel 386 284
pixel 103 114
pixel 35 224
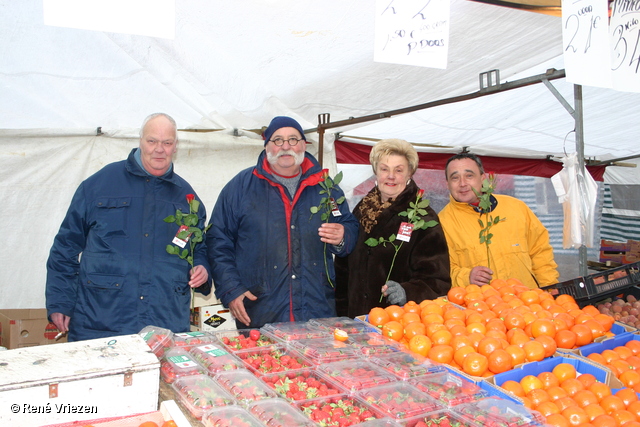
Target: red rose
pixel 190 198
pixel 325 173
pixel 420 193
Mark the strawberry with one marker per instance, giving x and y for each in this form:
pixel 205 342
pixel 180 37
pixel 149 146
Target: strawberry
pixel 254 334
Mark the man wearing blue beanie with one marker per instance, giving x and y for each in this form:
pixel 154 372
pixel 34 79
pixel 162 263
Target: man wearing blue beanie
pixel 266 250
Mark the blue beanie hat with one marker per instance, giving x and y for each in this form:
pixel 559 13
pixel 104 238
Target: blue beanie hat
pixel 281 122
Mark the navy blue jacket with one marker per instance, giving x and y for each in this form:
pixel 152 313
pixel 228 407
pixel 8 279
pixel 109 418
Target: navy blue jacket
pixel 124 279
pixel 263 241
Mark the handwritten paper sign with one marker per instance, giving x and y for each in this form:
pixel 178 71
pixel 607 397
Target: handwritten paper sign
pixel 625 45
pixel 412 32
pixel 585 37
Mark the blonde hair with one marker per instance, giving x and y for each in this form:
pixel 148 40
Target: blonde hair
pixel 399 147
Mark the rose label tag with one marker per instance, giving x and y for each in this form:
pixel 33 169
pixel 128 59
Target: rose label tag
pixel 177 240
pixel 404 231
pixel 335 211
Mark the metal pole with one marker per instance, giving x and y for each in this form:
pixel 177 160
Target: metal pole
pixel 578 117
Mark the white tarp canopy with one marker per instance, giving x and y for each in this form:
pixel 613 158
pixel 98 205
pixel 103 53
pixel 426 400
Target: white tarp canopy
pixel 233 66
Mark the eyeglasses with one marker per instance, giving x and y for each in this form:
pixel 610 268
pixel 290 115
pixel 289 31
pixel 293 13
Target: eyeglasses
pixel 292 141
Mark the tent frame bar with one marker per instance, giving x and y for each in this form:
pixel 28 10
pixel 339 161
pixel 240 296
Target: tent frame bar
pixel 324 123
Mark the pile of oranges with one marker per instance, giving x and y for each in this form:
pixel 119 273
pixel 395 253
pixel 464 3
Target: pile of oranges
pixel 504 324
pixel 568 399
pixel 623 361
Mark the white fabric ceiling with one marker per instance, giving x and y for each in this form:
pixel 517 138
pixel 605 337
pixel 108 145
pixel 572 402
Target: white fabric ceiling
pixel 237 64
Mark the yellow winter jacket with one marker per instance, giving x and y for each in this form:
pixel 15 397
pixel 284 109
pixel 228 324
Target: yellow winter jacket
pixel 519 247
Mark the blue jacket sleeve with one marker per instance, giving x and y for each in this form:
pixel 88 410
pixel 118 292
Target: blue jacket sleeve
pixel 221 240
pixel 63 265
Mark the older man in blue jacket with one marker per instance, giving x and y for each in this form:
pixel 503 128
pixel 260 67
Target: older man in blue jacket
pixel 108 271
pixel 266 249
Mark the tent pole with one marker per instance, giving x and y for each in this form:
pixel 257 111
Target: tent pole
pixel 578 117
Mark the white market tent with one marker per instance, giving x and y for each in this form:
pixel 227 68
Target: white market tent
pixel 72 100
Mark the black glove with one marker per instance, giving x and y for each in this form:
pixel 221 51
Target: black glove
pixel 395 293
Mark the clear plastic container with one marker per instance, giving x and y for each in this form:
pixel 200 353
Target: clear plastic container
pixel 341 410
pixel 438 418
pixel 357 374
pixel 244 339
pixel 279 413
pixel 292 331
pixel 270 359
pixel 347 324
pixel 449 389
pixel 373 343
pixel 380 422
pixel 215 358
pixel 406 365
pixel 324 350
pixel 200 393
pixel 499 413
pixel 159 340
pixel 178 363
pixel 188 340
pixel 230 416
pixel 302 384
pixel 244 386
pixel 399 400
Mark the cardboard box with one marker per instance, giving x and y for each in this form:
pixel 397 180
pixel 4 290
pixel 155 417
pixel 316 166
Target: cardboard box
pixel 213 318
pixel 76 381
pixel 27 327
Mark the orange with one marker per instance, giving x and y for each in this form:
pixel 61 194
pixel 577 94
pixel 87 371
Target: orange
pixel 413 329
pixel 340 334
pixel 627 395
pixel 534 351
pixel 548 343
pixel 597 357
pixel 513 387
pixel 475 364
pixel 420 344
pixel 564 298
pixel 538 396
pixel 634 408
pixel 514 320
pixel 441 353
pixel 395 312
pixel 473 317
pixel 584 398
pixel 623 417
pixel 609 355
pixel 543 327
pixel 410 317
pixel 634 346
pixel 593 410
pixel 530 297
pixel 148 424
pixel 575 415
pixel 411 307
pixel 517 336
pixel 556 393
pixel 169 423
pixel 459 341
pixel 623 352
pixel 572 386
pixel 438 318
pixel 456 295
pixel 530 382
pixel 583 333
pixel 486 346
pixel 548 379
pixel 565 402
pixel 605 320
pixel 604 421
pixel 378 316
pixel 442 337
pixel 453 313
pixel 586 379
pixel 458 330
pixel 557 420
pixel 612 404
pixel 393 329
pixel 630 378
pixel 462 353
pixel 600 390
pixel 565 339
pixel 498 283
pixel 499 361
pixel 591 310
pixel 597 330
pixel 564 371
pixel 547 408
pixel 476 327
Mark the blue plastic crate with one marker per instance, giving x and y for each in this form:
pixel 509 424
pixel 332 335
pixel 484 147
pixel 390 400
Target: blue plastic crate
pixel 547 365
pixel 610 344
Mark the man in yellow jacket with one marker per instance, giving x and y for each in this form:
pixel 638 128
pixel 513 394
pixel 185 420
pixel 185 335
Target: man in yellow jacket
pixel 519 246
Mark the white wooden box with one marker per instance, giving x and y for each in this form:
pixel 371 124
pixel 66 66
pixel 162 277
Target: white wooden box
pixel 80 380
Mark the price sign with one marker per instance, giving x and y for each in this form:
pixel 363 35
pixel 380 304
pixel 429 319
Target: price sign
pixel 585 37
pixel 412 32
pixel 624 30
